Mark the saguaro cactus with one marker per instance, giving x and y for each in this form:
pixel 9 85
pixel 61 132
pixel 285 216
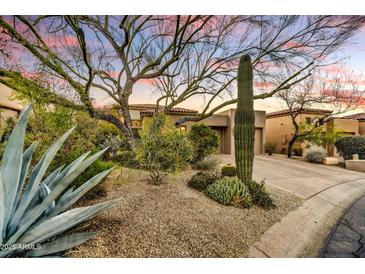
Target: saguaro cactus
pixel 244 129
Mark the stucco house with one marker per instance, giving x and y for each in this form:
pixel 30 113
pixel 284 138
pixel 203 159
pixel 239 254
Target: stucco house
pixel 8 108
pixel 222 123
pixel 279 126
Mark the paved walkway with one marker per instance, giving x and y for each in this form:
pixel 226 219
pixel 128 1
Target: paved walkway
pixel 348 238
pixel 328 191
pixel 298 177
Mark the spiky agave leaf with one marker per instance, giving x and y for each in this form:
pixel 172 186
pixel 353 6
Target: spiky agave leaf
pixel 61 244
pixel 34 216
pixel 12 165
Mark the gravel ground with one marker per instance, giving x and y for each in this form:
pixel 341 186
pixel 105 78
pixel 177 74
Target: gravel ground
pixel 173 220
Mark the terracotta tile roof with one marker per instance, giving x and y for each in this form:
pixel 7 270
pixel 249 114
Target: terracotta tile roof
pixel 357 116
pixel 303 111
pixel 150 108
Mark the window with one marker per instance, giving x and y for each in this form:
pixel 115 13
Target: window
pixel 183 129
pixel 308 120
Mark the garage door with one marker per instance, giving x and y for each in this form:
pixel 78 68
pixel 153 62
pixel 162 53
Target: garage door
pixel 258 141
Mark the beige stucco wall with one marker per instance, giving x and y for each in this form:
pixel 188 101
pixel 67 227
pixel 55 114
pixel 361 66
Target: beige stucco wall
pixel 8 108
pixel 223 123
pixel 348 126
pixel 279 130
pixel 362 127
pixel 260 126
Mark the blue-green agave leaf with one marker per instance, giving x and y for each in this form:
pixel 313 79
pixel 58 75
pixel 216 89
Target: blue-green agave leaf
pixel 2 208
pixel 73 197
pixel 27 158
pixel 61 244
pixel 36 178
pixel 52 176
pixel 12 164
pixel 59 188
pixel 67 170
pixel 63 222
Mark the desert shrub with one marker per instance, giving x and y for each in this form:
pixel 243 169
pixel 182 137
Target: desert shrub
pixel 270 148
pixel 204 140
pixel 208 163
pixel 127 158
pixel 260 195
pixel 230 191
pixel 349 145
pixel 97 167
pixel 163 149
pixel 5 133
pixel 315 154
pixel 107 135
pixel 298 151
pixel 45 125
pixel 201 180
pixel 229 171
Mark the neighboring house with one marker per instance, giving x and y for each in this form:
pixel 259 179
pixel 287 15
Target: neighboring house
pixel 8 108
pixel 222 123
pixel 279 126
pixel 360 117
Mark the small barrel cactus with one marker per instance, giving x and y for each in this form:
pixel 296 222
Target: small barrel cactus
pixel 244 129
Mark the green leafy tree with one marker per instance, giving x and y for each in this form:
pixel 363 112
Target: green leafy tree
pixel 163 149
pixel 205 141
pixel 320 136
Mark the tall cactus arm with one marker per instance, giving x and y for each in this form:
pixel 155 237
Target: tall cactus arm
pixel 244 129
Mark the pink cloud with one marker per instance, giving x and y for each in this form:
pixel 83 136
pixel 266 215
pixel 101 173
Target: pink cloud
pixel 262 84
pixel 60 41
pixel 146 82
pixel 332 69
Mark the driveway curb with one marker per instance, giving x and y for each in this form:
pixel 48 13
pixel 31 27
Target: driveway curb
pixel 303 231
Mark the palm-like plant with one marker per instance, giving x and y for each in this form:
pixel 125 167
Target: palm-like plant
pixel 33 206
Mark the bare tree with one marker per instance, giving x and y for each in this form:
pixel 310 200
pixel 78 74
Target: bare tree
pixel 338 92
pixel 185 56
pixel 289 46
pixel 105 53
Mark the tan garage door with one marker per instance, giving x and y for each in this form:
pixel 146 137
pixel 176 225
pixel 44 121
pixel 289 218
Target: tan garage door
pixel 258 141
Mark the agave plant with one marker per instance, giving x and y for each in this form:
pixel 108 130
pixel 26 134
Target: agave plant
pixel 33 216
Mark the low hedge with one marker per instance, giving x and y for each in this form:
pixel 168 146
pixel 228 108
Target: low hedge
pixel 349 145
pixel 201 180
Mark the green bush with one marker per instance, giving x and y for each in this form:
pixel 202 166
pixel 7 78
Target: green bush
pixel 259 194
pixel 204 140
pixel 163 149
pixel 127 158
pixel 230 191
pixel 5 133
pixel 45 125
pixel 349 145
pixel 270 148
pixel 97 167
pixel 107 135
pixel 229 171
pixel 315 154
pixel 208 163
pixel 201 180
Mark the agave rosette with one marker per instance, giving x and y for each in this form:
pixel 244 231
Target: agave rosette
pixel 33 206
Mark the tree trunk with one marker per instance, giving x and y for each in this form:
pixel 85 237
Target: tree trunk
pixel 126 132
pixel 291 143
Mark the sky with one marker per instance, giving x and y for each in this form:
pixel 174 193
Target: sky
pixel 354 59
pixel 353 54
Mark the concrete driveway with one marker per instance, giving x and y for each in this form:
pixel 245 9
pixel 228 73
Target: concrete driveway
pixel 327 192
pixel 298 177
